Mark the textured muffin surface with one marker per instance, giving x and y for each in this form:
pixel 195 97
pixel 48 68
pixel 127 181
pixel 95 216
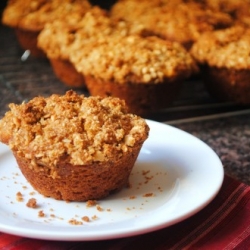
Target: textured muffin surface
pixel 82 129
pixel 34 14
pixel 135 59
pixel 229 48
pixel 73 147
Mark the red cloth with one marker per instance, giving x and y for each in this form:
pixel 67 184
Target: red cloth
pixel 223 224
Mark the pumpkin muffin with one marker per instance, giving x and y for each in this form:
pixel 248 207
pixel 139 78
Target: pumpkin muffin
pixel 29 17
pixel 225 63
pixel 58 39
pixel 73 147
pixel 147 72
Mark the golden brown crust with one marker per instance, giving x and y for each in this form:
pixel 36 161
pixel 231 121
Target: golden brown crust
pixel 16 10
pixel 59 39
pixel 34 14
pixel 135 59
pixel 82 129
pixel 229 48
pixel 179 21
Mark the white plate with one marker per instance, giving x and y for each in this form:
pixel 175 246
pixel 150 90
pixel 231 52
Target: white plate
pixel 175 176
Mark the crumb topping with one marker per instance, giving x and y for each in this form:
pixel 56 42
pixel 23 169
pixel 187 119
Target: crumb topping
pixel 181 21
pixel 72 127
pixel 228 48
pixel 59 38
pixel 134 59
pixel 34 14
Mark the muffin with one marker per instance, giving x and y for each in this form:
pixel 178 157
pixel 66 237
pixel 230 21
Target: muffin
pixel 180 21
pixel 73 147
pixel 147 72
pixel 58 39
pixel 29 17
pixel 225 63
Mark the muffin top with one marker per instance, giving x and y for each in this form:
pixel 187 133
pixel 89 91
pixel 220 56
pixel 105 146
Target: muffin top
pixel 178 21
pixel 71 128
pixel 229 48
pixel 34 14
pixel 58 38
pixel 134 59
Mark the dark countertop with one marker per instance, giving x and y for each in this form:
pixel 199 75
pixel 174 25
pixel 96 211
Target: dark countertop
pixel 224 127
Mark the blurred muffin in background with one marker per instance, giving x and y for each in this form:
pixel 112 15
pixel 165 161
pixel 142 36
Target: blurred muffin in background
pixel 29 17
pixel 59 39
pixel 56 39
pixel 225 63
pixel 147 72
pixel 181 21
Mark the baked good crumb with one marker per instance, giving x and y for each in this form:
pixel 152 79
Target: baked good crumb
pixel 91 203
pixel 86 219
pixel 148 195
pixel 19 196
pixel 41 214
pixel 94 217
pixel 99 208
pixel 32 203
pixel 75 222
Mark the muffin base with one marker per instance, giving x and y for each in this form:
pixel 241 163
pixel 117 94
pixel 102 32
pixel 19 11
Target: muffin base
pixel 67 73
pixel 80 182
pixel 227 84
pixel 141 99
pixel 28 41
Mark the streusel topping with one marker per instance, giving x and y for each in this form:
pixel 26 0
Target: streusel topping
pixel 228 48
pixel 134 59
pixel 34 14
pixel 72 127
pixel 59 38
pixel 182 21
